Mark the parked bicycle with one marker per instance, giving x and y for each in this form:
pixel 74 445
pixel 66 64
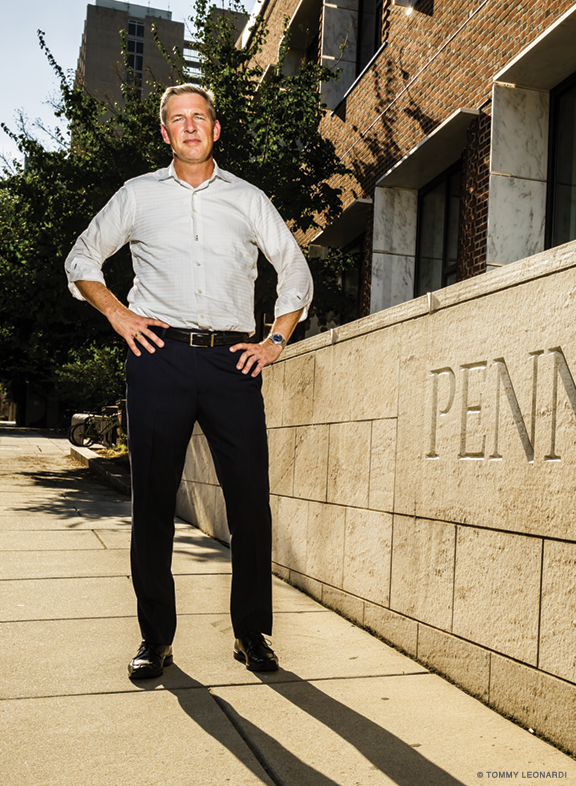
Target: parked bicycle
pixel 97 430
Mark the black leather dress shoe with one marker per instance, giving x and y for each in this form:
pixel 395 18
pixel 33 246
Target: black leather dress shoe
pixel 150 661
pixel 252 650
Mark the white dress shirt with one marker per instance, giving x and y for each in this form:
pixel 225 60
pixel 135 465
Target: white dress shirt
pixel 194 250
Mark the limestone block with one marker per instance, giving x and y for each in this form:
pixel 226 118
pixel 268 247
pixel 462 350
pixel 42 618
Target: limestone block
pixel 537 700
pixel 308 585
pixel 199 466
pixel 311 462
pixel 392 280
pixel 395 215
pixel 466 664
pixel 382 464
pixel 394 628
pixel 519 143
pixel 516 218
pixel 331 93
pixel 325 553
pixel 371 373
pixel 497 591
pixel 196 503
pixel 558 614
pixel 335 367
pixel 349 464
pixel 298 390
pixel 368 539
pixel 281 452
pixel 273 393
pixel 486 411
pixel 290 533
pixel 423 570
pixel 349 606
pixel 274 503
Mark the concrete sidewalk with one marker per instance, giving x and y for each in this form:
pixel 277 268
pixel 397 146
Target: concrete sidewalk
pixel 344 709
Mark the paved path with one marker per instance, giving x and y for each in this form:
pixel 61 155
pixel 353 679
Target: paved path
pixel 345 709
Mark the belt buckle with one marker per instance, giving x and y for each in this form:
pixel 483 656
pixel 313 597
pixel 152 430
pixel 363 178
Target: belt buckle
pixel 212 337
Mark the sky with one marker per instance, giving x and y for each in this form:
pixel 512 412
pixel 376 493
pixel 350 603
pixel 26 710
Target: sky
pixel 28 81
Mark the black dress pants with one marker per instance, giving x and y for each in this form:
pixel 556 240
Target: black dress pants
pixel 167 392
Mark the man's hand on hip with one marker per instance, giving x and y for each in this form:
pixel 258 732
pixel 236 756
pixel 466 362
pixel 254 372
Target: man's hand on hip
pixel 129 325
pixel 256 356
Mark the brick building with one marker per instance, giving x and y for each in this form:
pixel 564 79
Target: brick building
pixel 458 123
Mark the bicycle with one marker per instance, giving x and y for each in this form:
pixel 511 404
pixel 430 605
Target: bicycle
pixel 96 429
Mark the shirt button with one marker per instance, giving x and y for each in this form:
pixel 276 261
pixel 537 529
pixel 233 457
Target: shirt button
pixel 197 264
pixel 199 291
pixel 194 211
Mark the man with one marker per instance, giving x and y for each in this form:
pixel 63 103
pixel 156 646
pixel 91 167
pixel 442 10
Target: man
pixel 194 233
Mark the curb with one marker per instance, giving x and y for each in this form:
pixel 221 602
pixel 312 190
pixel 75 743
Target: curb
pixel 117 478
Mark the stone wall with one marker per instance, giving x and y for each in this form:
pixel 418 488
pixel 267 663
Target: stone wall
pixel 423 476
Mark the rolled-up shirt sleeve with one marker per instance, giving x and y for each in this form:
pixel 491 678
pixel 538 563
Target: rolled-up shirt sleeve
pixel 295 287
pixel 107 233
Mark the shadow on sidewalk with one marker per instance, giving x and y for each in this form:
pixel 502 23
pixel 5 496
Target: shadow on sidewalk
pixel 387 753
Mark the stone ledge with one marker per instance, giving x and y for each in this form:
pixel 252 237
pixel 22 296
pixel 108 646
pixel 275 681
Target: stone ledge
pixel 118 478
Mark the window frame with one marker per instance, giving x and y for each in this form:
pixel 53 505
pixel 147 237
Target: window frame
pixel 444 176
pixel 554 121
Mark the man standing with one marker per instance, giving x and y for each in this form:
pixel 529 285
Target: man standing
pixel 194 233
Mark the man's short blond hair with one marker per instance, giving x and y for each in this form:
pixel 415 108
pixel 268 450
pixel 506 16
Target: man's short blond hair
pixel 177 90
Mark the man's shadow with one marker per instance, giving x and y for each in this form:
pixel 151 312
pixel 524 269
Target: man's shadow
pixel 398 760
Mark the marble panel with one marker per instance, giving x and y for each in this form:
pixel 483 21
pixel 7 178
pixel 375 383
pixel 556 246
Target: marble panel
pixel 325 552
pixel 466 664
pixel 537 700
pixel 392 281
pixel 516 218
pixel 281 452
pixel 339 31
pixel 367 549
pixel 422 581
pixel 298 390
pixel 311 462
pixel 273 393
pixel 520 121
pixel 331 93
pixel 289 533
pixel 486 420
pixel 382 465
pixel 497 591
pixel 349 464
pixel 558 615
pixel 395 217
pixel 371 374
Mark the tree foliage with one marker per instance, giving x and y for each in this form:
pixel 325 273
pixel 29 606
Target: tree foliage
pixel 270 136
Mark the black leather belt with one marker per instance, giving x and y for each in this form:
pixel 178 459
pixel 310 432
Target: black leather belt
pixel 212 339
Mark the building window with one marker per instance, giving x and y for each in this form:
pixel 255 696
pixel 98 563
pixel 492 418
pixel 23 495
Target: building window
pixel 561 207
pixel 437 233
pixel 369 32
pixel 135 54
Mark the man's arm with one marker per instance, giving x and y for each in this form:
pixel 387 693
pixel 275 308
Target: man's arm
pixel 125 322
pixel 265 353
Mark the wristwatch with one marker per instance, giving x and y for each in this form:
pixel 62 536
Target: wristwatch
pixel 278 339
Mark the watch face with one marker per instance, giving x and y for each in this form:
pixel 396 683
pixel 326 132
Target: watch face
pixel 277 338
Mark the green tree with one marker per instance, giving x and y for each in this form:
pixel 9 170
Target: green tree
pixel 270 137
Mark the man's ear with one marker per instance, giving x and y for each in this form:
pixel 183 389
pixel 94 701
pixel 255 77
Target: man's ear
pixel 216 131
pixel 164 133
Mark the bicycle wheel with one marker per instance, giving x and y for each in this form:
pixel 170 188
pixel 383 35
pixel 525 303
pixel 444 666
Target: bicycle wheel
pixel 80 435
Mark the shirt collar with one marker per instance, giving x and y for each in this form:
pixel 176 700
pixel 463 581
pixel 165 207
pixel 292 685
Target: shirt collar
pixel 170 172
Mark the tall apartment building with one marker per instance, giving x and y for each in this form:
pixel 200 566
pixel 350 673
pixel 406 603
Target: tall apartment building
pixel 458 123
pixel 101 69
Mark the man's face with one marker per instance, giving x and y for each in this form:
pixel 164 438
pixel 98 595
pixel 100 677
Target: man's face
pixel 189 128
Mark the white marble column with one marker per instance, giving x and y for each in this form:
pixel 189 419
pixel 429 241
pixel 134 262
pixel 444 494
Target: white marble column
pixel 339 36
pixel 394 247
pixel 518 173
